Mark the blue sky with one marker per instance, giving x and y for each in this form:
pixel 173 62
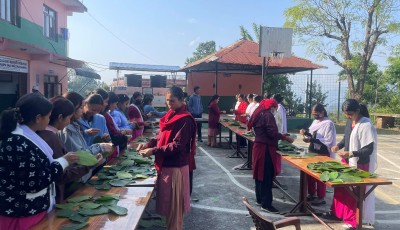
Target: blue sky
pixel 167 32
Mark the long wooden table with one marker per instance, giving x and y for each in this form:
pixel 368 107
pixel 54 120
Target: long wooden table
pixel 356 189
pixel 134 199
pixel 235 129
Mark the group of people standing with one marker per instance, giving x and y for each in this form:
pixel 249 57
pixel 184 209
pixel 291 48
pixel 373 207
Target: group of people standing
pixel 267 118
pixel 39 140
pixel 360 146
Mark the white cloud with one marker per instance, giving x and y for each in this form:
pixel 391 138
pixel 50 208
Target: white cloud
pixel 193 42
pixel 192 20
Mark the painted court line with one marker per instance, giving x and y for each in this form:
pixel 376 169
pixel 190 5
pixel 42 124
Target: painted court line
pixel 232 178
pixel 227 172
pixel 391 170
pixel 389 161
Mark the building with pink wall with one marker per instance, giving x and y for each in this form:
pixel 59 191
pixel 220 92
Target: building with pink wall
pixel 34 47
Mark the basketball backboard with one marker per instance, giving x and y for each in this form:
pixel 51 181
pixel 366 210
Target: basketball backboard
pixel 275 42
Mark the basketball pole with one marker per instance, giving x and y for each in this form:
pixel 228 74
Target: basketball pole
pixel 262 77
pixel 264 69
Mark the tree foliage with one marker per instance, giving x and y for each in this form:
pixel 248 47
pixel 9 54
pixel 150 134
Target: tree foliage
pixel 337 29
pixel 390 83
pixel 373 83
pixel 202 50
pixel 84 85
pixel 317 95
pixel 244 33
pixel 281 84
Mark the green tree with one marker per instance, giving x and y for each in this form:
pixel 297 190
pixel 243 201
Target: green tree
pixel 317 95
pixel 244 33
pixel 373 83
pixel 281 84
pixel 336 29
pixel 84 85
pixel 391 85
pixel 202 50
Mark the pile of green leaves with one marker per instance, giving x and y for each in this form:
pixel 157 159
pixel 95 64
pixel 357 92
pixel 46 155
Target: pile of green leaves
pixel 235 123
pixel 337 172
pixel 249 134
pixel 79 209
pixel 130 168
pixel 289 148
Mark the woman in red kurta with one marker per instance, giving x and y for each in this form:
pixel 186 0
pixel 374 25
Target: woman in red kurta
pixel 264 152
pixel 173 147
pixel 240 112
pixel 213 120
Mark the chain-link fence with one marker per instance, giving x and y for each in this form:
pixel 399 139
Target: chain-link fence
pixel 327 89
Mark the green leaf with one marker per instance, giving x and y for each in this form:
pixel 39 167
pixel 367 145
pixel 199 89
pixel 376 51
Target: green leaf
pixel 324 176
pixel 95 182
pixel 124 175
pixel 120 211
pixel 349 178
pixel 79 199
pixel 65 213
pixel 107 202
pixel 76 217
pixel 127 163
pixel 66 205
pixel 333 175
pixel 86 158
pixel 141 160
pixel 337 181
pixel 362 174
pixel 119 183
pixel 74 226
pixel 89 205
pixel 141 176
pixel 93 212
pixel 108 197
pixel 103 187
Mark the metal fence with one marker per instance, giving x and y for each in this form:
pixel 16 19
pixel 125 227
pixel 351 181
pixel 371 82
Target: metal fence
pixel 329 84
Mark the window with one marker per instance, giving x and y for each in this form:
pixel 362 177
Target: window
pixel 8 11
pixel 51 86
pixel 50 23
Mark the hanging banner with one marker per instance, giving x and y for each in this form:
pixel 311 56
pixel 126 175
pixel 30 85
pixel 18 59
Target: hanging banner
pixel 13 64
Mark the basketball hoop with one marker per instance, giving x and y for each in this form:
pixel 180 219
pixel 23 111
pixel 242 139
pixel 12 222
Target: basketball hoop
pixel 276 57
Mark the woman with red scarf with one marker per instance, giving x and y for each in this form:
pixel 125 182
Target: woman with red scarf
pixel 173 148
pixel 265 157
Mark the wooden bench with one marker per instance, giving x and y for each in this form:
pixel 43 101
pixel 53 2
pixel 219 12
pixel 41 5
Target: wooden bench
pixel 384 120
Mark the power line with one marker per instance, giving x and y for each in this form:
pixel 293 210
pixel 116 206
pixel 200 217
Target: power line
pixel 127 44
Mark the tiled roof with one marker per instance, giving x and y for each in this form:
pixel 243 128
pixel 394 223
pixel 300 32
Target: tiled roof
pixel 244 52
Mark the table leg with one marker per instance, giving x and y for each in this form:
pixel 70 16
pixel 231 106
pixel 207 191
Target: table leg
pixel 360 201
pixel 248 163
pixel 220 134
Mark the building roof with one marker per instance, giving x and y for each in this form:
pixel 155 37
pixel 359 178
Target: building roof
pixel 143 67
pixel 242 56
pixel 75 5
pixel 84 72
